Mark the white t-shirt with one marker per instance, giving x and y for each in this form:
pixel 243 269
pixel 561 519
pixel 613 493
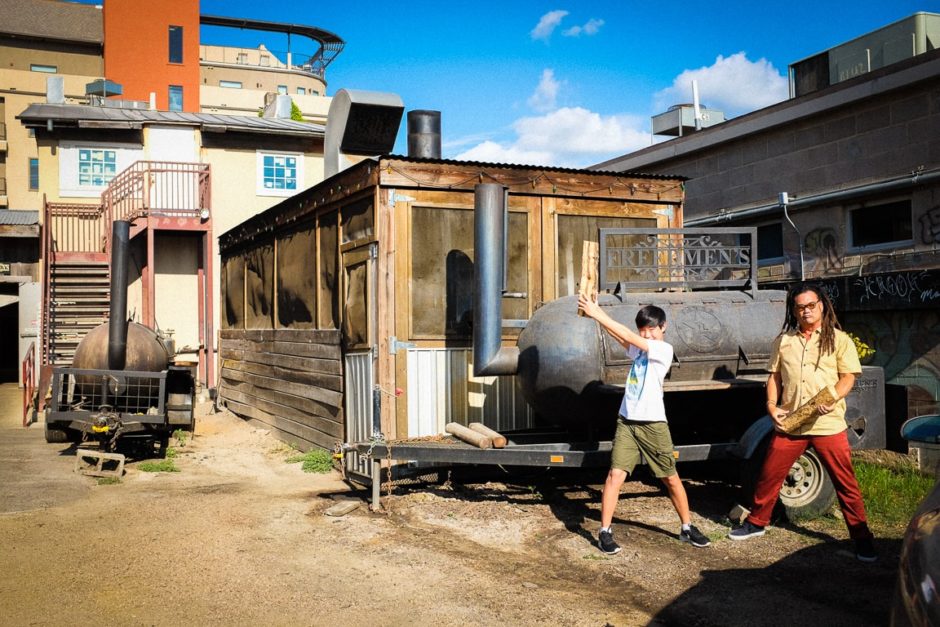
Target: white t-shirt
pixel 643 396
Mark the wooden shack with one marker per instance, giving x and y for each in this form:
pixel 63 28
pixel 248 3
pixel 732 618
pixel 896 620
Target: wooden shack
pixel 347 308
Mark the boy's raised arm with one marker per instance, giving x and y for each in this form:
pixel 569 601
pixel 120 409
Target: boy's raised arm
pixel 623 334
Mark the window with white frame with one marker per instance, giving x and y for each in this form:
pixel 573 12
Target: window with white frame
pixel 282 89
pixel 86 168
pixel 279 173
pixel 301 91
pixel 882 225
pixel 231 84
pixel 96 166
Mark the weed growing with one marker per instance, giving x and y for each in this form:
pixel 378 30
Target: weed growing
pixel 164 465
pixel 108 480
pixel 180 437
pixel 316 460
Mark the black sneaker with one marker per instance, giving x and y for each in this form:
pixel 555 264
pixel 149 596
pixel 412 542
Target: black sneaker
pixel 746 531
pixel 865 550
pixel 605 540
pixel 694 537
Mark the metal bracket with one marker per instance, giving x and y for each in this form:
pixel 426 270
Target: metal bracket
pixel 394 345
pixel 394 197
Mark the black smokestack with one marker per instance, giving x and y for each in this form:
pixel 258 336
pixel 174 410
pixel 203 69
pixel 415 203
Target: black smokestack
pixel 424 134
pixel 117 321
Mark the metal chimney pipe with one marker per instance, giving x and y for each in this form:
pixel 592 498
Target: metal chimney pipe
pixel 489 237
pixel 424 134
pixel 117 319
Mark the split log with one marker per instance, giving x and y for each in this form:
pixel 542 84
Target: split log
pixel 467 435
pixel 589 259
pixel 499 440
pixel 808 412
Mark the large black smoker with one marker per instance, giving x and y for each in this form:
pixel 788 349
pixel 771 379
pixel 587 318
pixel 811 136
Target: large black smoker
pixel 122 382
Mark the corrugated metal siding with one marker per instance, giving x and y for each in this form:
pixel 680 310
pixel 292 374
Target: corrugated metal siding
pixel 358 386
pixel 442 389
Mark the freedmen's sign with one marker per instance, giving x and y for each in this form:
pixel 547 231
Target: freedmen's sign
pixel 667 257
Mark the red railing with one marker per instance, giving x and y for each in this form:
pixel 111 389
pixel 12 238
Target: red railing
pixel 159 188
pixel 75 228
pixel 29 382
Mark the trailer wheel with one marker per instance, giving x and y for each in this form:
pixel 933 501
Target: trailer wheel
pixel 807 492
pixel 56 436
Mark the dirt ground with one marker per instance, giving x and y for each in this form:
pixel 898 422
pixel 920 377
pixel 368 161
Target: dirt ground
pixel 239 536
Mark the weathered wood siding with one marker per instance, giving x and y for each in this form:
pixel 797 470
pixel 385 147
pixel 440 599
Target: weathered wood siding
pixel 289 379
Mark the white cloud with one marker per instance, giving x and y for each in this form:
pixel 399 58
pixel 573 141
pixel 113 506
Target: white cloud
pixel 546 93
pixel 732 84
pixel 547 24
pixel 570 137
pixel 590 28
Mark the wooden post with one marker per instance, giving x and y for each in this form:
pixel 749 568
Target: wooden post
pixel 470 437
pixel 589 258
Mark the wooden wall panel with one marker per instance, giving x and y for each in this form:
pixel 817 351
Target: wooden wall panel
pixel 288 379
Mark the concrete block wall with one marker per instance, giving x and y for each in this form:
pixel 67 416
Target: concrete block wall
pixel 890 134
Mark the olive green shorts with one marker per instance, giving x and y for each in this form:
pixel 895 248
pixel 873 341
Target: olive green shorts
pixel 652 440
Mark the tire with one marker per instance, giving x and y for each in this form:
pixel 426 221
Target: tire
pixel 55 435
pixel 807 492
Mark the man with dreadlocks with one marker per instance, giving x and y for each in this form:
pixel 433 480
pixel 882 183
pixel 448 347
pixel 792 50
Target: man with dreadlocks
pixel 811 353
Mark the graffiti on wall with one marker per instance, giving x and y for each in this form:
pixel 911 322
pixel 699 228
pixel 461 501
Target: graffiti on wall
pixel 907 346
pixel 821 249
pixel 930 226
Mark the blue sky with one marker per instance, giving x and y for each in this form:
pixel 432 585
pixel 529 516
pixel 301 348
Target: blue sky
pixel 566 83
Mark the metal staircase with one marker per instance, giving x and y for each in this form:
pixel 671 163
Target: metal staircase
pixel 79 293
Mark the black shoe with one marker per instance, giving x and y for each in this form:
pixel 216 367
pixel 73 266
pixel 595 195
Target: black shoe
pixel 865 550
pixel 746 531
pixel 694 537
pixel 605 540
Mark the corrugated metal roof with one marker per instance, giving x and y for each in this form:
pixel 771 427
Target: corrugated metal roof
pixel 52 19
pixel 17 217
pixel 548 168
pixel 87 116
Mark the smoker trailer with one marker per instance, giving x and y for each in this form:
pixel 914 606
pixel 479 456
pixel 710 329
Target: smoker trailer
pixel 348 316
pixel 123 382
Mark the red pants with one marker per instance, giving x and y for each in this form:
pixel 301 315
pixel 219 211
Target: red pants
pixel 834 453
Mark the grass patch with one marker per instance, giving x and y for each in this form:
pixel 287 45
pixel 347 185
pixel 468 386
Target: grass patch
pixel 180 437
pixel 164 465
pixel 316 461
pixel 171 453
pixel 891 494
pixel 108 480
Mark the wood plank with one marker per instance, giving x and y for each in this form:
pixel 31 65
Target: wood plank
pixel 324 395
pixel 316 336
pixel 327 427
pixel 306 364
pixel 284 425
pixel 308 405
pixel 296 349
pixel 326 381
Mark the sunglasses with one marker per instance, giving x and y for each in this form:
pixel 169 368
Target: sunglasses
pixel 807 307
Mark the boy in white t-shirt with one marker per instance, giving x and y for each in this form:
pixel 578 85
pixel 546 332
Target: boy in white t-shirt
pixel 641 426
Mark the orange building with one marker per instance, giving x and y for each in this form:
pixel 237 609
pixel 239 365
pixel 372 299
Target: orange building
pixel 154 47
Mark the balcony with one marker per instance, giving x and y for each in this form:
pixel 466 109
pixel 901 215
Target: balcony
pixel 159 189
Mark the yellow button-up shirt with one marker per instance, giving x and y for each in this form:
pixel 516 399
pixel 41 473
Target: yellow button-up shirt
pixel 805 372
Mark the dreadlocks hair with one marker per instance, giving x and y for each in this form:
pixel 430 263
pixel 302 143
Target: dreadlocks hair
pixel 827 332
